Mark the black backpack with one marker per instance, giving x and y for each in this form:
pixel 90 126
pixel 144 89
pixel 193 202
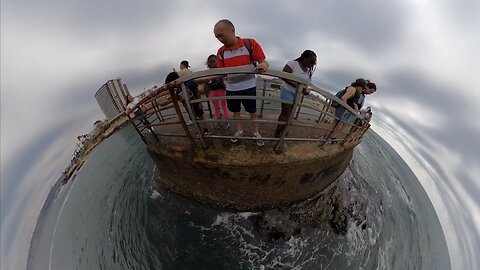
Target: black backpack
pixel 339 95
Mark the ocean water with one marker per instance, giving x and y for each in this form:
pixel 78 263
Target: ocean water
pixel 111 215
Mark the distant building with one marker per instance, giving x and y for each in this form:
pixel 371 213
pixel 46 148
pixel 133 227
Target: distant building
pixel 112 98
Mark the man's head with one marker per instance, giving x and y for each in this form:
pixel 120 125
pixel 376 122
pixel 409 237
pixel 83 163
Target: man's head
pixel 224 31
pixel 129 98
pixel 184 65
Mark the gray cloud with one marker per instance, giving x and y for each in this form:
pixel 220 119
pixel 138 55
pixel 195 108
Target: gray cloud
pixel 105 18
pixel 442 99
pixel 464 13
pixel 21 163
pixel 370 26
pixel 17 171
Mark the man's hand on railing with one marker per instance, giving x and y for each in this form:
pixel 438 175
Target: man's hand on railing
pixel 262 67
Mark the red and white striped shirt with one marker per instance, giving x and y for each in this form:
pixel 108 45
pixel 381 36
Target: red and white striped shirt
pixel 239 56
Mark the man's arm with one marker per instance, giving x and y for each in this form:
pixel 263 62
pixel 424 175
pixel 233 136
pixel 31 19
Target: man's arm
pixel 259 56
pixel 219 59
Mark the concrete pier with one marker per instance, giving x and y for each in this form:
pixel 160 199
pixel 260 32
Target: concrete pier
pixel 242 176
pixel 200 162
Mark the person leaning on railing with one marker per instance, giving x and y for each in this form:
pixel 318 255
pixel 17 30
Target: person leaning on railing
pixel 192 92
pixel 303 67
pixel 350 95
pixel 371 88
pixel 237 52
pixel 138 112
pixel 365 114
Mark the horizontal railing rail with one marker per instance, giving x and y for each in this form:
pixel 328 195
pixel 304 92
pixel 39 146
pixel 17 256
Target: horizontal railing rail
pixel 312 112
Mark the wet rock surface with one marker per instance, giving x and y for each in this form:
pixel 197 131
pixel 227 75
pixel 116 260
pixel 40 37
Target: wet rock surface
pixel 338 207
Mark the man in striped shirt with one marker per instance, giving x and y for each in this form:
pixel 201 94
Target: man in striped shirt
pixel 238 52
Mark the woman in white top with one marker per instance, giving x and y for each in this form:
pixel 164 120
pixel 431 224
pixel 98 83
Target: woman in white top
pixel 303 67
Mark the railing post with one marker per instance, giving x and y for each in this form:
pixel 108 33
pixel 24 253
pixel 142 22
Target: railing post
pixel 301 102
pixel 350 134
pixel 207 94
pixel 263 95
pixel 180 114
pixel 161 115
pixel 326 105
pixel 331 132
pixel 191 112
pixel 290 117
pixel 157 110
pixel 365 128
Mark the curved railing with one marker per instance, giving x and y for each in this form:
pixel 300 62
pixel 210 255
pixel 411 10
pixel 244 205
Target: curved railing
pixel 310 121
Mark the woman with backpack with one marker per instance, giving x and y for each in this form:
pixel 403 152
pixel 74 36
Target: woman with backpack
pixel 350 95
pixel 303 67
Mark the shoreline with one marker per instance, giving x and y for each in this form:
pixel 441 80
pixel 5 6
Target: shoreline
pixel 112 126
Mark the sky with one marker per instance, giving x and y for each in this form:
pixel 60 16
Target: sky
pixel 423 55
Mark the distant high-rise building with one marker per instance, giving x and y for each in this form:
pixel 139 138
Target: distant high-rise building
pixel 112 98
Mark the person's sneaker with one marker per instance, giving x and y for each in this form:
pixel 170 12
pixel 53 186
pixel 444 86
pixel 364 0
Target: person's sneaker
pixel 226 126
pixel 260 142
pixel 237 135
pixel 189 122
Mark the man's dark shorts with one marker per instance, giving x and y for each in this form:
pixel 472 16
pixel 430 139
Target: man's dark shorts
pixel 250 105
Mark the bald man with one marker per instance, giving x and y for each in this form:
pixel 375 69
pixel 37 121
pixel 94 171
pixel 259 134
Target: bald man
pixel 239 52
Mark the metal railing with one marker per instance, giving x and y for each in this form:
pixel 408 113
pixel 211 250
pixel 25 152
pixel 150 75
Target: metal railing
pixel 310 120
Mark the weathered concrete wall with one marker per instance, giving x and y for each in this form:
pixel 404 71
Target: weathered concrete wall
pixel 240 177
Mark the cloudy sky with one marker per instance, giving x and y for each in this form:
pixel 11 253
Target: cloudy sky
pixel 423 54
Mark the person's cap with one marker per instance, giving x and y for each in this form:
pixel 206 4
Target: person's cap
pixel 185 63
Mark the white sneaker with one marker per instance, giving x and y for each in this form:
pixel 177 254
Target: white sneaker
pixel 189 122
pixel 260 142
pixel 237 135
